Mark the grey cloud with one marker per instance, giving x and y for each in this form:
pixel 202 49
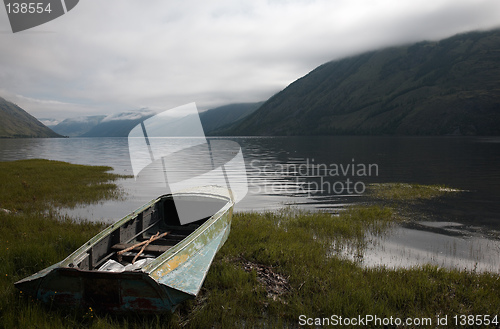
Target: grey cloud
pixel 119 55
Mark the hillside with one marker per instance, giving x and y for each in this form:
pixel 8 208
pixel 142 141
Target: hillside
pixel 222 116
pixel 429 88
pixel 17 123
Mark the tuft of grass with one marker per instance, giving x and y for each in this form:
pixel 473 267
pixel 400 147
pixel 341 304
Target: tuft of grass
pixel 407 192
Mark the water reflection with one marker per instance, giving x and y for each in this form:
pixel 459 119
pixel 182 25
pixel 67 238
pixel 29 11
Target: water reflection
pixel 453 248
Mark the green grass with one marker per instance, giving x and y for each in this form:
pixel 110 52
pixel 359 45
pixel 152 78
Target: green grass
pixel 299 248
pixel 36 185
pixel 274 267
pixel 407 192
pixel 33 237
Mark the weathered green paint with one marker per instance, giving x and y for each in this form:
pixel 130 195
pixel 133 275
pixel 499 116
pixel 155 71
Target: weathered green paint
pixel 190 246
pixel 189 276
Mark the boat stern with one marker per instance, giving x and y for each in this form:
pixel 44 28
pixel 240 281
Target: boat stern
pixel 107 291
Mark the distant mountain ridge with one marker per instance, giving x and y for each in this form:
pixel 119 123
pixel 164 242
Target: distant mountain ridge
pixel 120 124
pixel 74 127
pixel 17 123
pixel 429 88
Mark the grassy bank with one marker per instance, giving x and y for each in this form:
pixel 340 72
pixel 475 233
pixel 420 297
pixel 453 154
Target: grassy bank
pixel 39 185
pixel 397 192
pixel 32 236
pixel 274 268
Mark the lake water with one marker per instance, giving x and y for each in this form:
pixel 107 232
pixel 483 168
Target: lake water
pixel 328 173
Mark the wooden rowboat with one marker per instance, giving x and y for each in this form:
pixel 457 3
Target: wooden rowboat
pixel 146 262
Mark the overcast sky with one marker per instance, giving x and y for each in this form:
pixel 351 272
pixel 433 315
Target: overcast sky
pixel 111 56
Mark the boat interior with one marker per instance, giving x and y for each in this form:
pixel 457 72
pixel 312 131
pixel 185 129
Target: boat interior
pixel 147 234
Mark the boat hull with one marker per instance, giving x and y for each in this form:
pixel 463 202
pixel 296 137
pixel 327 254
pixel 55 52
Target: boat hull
pixel 160 286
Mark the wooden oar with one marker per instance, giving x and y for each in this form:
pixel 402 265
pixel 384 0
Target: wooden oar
pixel 145 243
pixel 154 237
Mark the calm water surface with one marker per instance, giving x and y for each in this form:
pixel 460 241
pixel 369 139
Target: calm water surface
pixel 328 173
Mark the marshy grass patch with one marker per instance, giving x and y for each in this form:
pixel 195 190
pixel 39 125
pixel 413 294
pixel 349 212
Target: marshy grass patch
pixel 283 267
pixel 407 192
pixel 33 236
pixel 40 185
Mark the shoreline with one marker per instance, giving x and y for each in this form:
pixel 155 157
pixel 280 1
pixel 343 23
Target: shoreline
pixel 427 240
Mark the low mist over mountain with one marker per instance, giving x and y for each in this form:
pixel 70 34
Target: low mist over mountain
pixel 49 122
pixel 429 88
pixel 16 122
pixel 118 125
pixel 114 125
pixel 77 126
